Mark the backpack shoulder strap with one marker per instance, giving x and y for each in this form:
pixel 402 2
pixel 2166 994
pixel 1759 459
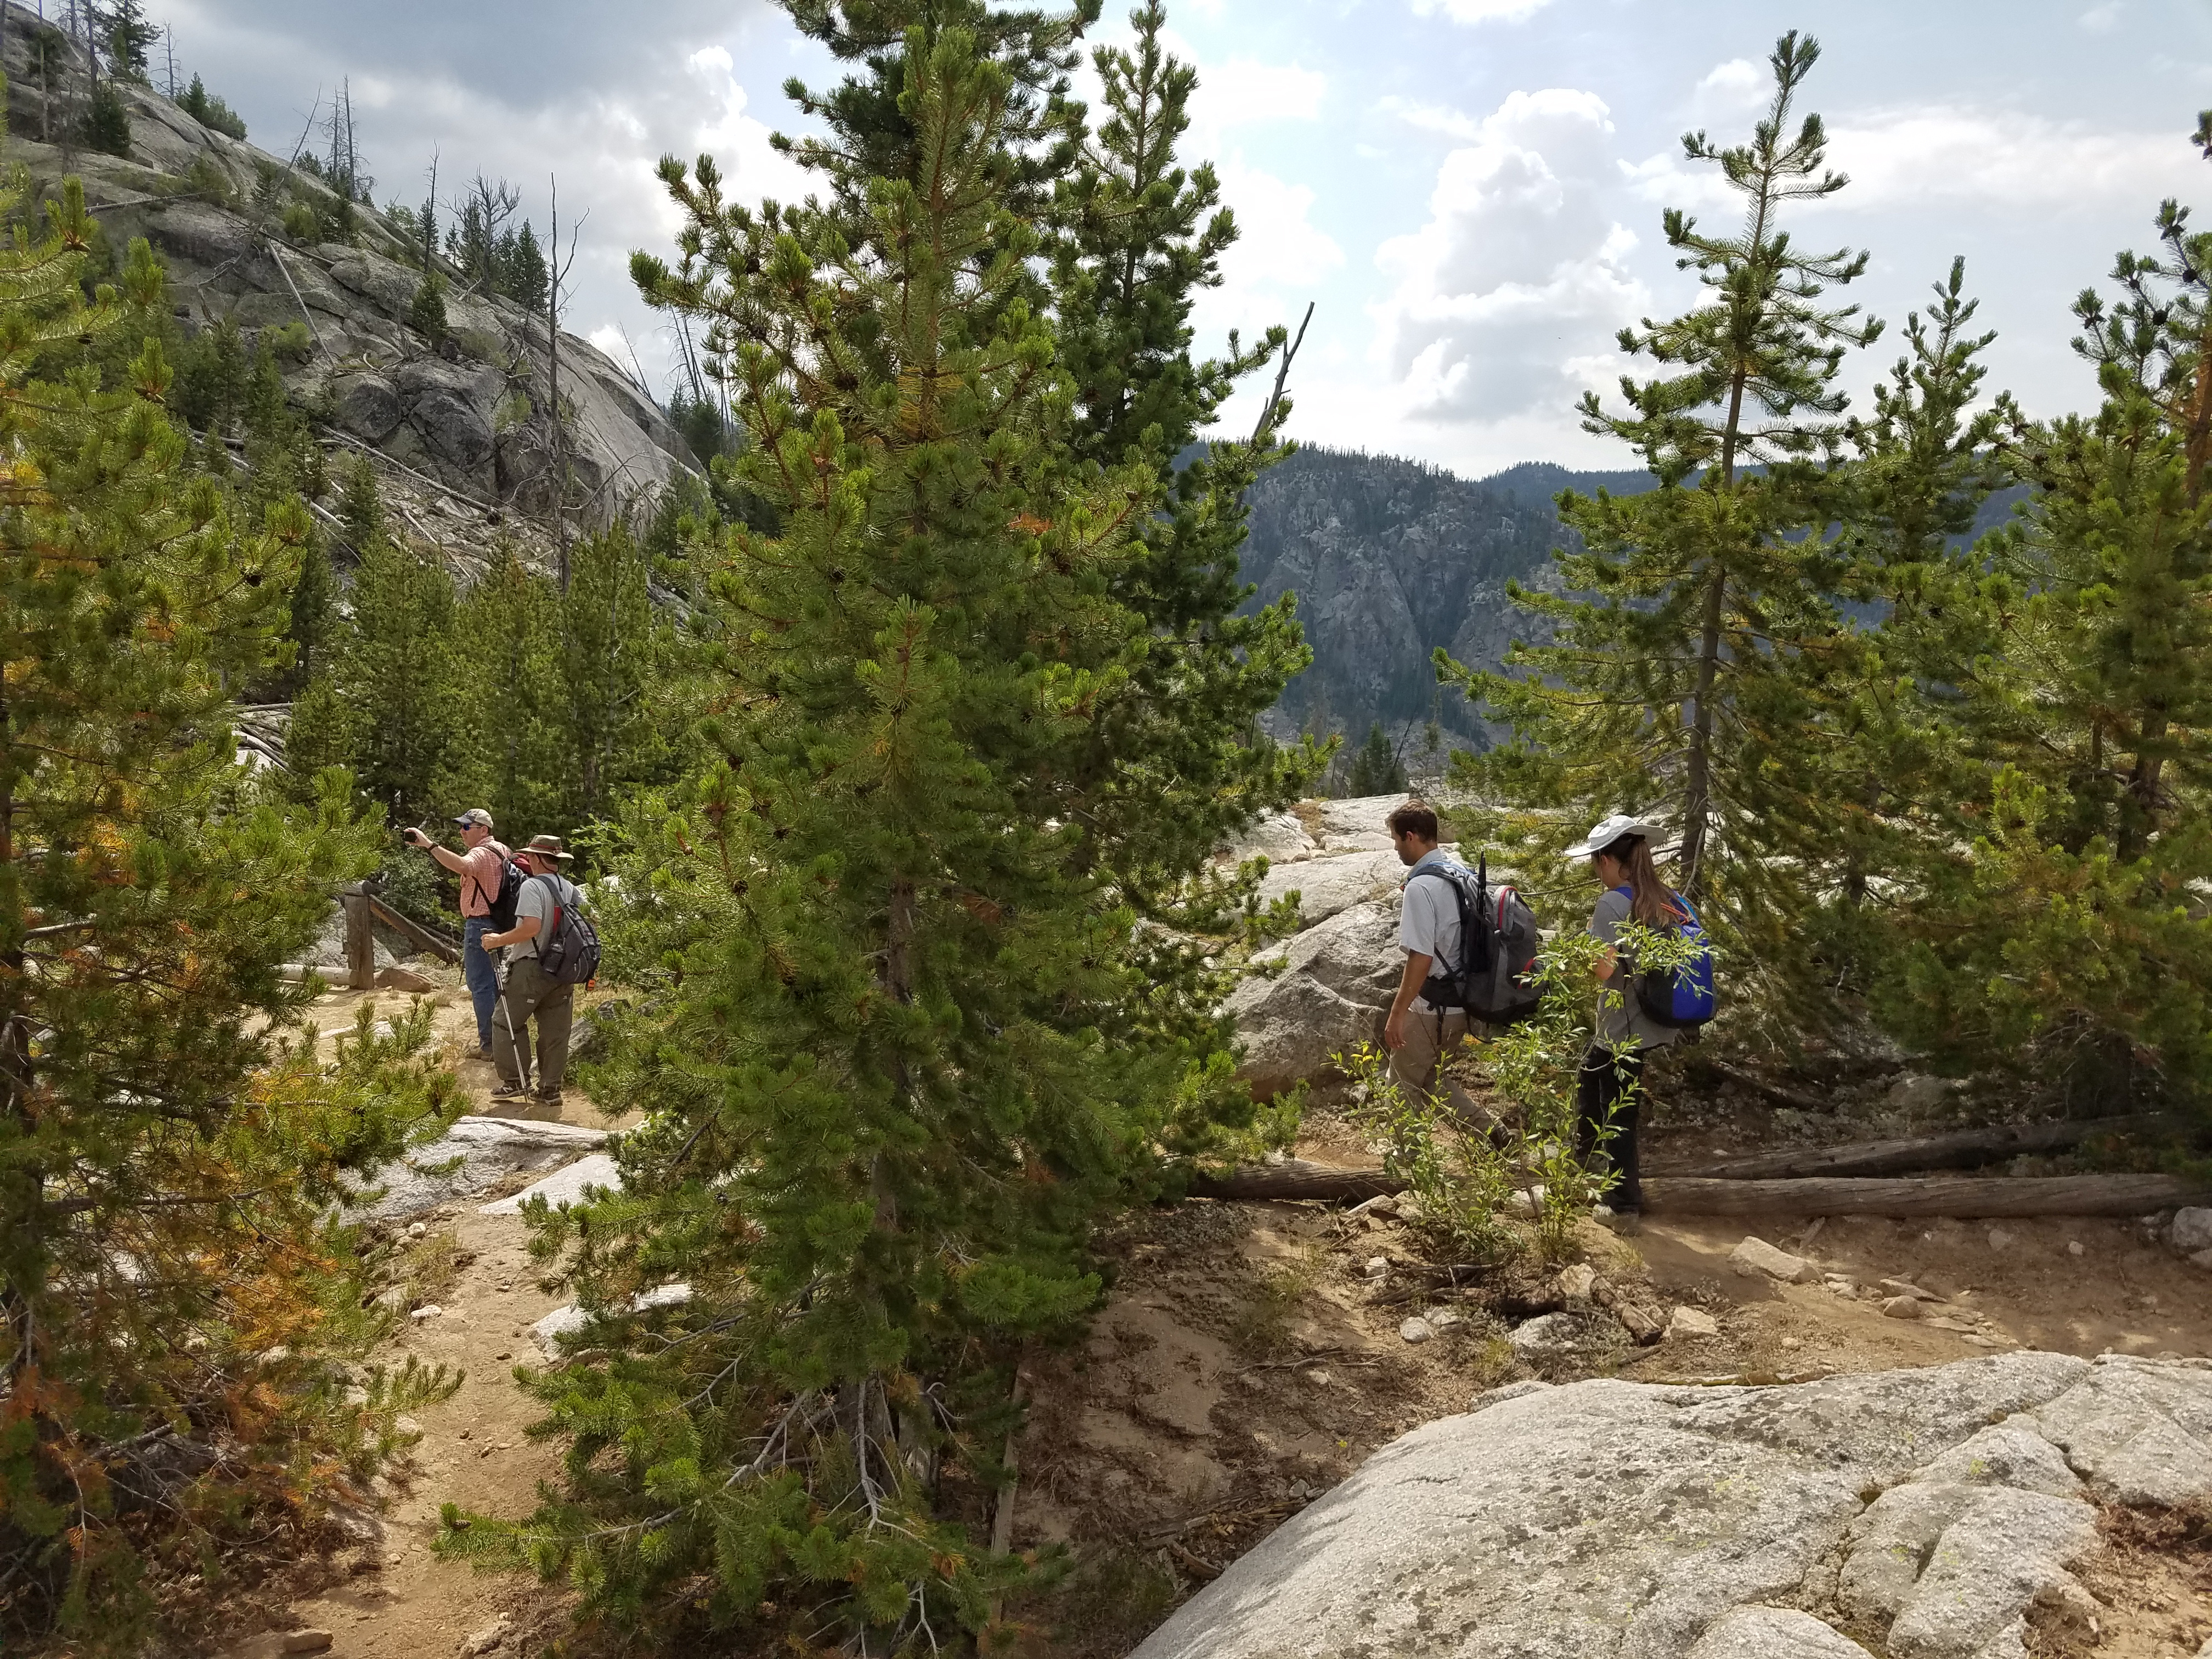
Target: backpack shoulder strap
pixel 1466 913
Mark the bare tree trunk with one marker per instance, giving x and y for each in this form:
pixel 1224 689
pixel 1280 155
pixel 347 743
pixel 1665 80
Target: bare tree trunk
pixel 1697 784
pixel 22 1194
pixel 553 383
pixel 1961 1196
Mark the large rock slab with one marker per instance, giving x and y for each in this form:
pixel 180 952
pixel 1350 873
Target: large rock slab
pixel 1280 837
pixel 1327 886
pixel 2138 1431
pixel 1329 992
pixel 474 1156
pixel 1596 1520
pixel 1931 1510
pixel 1774 1633
pixel 1358 815
pixel 565 1186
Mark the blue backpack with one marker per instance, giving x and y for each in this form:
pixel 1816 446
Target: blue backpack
pixel 1681 997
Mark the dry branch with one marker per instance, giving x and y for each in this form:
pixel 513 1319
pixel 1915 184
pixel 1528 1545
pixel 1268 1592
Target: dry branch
pixel 1297 1178
pixel 1936 1196
pixel 1961 1150
pixel 1939 1195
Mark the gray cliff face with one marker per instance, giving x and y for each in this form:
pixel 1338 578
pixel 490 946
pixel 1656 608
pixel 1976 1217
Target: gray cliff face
pixel 1389 559
pixel 471 414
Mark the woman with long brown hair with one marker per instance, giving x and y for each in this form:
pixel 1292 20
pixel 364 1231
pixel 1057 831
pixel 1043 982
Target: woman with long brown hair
pixel 1610 1090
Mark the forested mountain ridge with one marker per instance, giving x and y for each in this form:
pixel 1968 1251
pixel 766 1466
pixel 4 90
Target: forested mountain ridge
pixel 1391 558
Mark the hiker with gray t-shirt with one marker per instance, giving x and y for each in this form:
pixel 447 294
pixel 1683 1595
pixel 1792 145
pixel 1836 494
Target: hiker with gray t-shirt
pixel 531 993
pixel 1416 1034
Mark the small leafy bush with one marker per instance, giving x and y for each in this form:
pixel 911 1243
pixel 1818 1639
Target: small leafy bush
pixel 302 223
pixel 292 342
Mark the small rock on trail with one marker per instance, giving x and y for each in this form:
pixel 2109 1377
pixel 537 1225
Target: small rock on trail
pixel 1755 1257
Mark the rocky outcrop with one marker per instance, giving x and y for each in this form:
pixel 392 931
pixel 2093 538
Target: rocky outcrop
pixel 1387 557
pixel 471 413
pixel 471 1158
pixel 1326 988
pixel 1930 1510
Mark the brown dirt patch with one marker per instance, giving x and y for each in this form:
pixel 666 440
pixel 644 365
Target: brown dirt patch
pixel 2153 1573
pixel 1245 1363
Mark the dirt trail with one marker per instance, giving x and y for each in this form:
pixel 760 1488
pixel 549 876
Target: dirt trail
pixel 1246 1361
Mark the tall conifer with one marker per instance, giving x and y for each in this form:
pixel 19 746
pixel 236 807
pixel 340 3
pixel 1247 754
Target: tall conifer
pixel 1175 760
pixel 899 1056
pixel 508 712
pixel 163 1203
pixel 1684 677
pixel 2047 922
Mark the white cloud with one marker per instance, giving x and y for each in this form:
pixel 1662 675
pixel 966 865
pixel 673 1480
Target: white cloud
pixel 1507 299
pixel 1480 11
pixel 1738 87
pixel 2101 20
pixel 2003 159
pixel 1432 118
pixel 1244 92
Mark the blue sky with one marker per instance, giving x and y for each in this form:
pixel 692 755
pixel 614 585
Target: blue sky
pixel 1469 190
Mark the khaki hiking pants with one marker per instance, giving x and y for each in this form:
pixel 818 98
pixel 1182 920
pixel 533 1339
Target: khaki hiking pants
pixel 1431 1033
pixel 531 993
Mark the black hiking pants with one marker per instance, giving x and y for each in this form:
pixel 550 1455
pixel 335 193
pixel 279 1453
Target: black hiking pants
pixel 1607 1076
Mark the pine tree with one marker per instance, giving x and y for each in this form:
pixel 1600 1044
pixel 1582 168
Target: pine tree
pixel 609 672
pixel 898 1053
pixel 1176 760
pixel 127 36
pixel 511 699
pixel 2046 924
pixel 1376 770
pixel 162 1195
pixel 398 665
pixel 313 622
pixel 1692 652
pixel 524 277
pixel 426 313
pixel 877 136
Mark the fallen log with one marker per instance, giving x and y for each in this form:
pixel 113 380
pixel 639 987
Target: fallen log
pixel 1963 1150
pixel 1297 1178
pixel 435 943
pixel 1940 1196
pixel 1961 1196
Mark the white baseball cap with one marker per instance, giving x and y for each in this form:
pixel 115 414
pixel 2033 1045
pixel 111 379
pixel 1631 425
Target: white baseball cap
pixel 1609 830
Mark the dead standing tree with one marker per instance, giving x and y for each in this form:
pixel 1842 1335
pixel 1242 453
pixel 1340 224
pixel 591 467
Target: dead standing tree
pixel 557 276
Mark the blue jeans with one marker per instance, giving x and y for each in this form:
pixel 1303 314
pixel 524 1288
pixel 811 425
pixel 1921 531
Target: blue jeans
pixel 482 978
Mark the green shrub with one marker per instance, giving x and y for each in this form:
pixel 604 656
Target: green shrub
pixel 1468 1183
pixel 302 223
pixel 107 123
pixel 293 342
pixel 211 111
pixel 427 316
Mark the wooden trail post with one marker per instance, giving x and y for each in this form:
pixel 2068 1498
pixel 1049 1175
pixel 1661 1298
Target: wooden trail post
pixel 359 940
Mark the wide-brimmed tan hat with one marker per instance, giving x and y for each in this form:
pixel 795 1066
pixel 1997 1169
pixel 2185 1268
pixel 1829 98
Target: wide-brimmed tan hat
pixel 544 847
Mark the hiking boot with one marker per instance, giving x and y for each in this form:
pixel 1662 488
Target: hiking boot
pixel 511 1094
pixel 547 1097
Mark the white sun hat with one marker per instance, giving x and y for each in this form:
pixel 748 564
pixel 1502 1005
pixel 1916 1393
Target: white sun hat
pixel 1609 830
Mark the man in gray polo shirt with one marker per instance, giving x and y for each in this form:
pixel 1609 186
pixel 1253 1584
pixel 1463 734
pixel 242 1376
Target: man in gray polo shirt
pixel 1416 1034
pixel 531 993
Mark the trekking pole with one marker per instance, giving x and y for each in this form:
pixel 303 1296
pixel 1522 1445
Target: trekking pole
pixel 513 1038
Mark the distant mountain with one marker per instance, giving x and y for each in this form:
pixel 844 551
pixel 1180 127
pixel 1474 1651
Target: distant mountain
pixel 1391 558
